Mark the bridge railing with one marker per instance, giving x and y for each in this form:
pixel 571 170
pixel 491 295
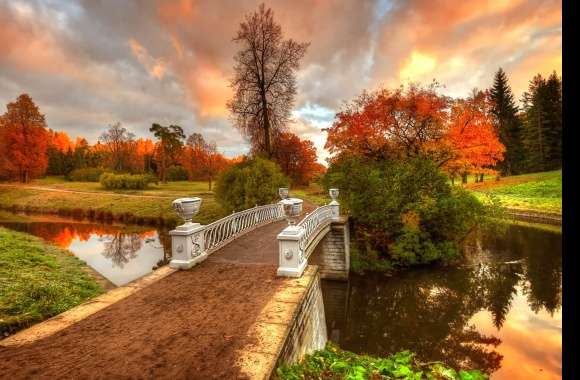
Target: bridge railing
pixel 295 240
pixel 191 243
pixel 222 231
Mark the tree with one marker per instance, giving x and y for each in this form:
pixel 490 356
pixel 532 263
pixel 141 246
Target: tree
pixel 118 143
pixel 23 140
pixel 474 144
pixel 542 134
pixel 168 145
pixel 392 123
pixel 296 157
pixel 507 123
pixel 264 81
pixel 202 160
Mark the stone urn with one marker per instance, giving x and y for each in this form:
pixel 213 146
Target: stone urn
pixel 187 208
pixel 292 209
pixel 283 192
pixel 333 194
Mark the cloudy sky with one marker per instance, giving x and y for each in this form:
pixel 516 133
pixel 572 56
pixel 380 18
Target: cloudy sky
pixel 91 63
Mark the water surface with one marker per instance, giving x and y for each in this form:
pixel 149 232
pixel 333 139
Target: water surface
pixel 119 253
pixel 500 312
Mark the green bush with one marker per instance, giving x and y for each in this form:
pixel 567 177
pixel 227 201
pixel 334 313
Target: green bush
pixel 85 175
pixel 176 173
pixel 406 209
pixel 334 363
pixel 249 183
pixel 113 181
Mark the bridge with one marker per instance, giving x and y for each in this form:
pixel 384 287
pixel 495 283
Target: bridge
pixel 240 296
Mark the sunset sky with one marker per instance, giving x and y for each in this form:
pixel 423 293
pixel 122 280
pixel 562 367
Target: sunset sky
pixel 88 64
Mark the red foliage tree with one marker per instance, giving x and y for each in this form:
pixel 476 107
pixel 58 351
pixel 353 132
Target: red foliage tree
pixel 202 160
pixel 296 157
pixel 23 140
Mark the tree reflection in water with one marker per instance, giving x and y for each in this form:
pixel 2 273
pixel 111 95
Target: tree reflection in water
pixel 120 248
pixel 430 310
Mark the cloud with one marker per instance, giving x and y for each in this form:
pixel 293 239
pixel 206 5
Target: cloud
pixel 88 64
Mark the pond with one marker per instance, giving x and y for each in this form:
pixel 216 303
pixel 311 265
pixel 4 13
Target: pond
pixel 118 253
pixel 500 312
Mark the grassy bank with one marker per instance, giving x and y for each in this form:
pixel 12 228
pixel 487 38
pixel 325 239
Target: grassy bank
pixel 88 199
pixel 334 363
pixel 38 281
pixel 539 192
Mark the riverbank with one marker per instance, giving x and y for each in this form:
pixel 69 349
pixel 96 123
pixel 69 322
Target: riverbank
pixel 533 194
pixel 88 200
pixel 38 281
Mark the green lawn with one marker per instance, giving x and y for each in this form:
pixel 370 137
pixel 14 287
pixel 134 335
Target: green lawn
pixel 38 281
pixel 536 192
pixel 158 205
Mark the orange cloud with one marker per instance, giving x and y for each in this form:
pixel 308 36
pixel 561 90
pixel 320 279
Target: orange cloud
pixel 156 67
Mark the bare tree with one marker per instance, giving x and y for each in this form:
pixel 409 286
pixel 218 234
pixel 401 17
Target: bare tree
pixel 119 143
pixel 264 81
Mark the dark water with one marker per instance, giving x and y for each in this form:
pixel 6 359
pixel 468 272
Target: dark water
pixel 501 312
pixel 119 253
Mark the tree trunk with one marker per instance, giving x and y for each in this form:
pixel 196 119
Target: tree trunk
pixel 464 178
pixel 209 181
pixel 481 177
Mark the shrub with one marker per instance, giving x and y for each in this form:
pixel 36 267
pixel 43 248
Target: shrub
pixel 85 175
pixel 176 173
pixel 125 181
pixel 409 213
pixel 249 183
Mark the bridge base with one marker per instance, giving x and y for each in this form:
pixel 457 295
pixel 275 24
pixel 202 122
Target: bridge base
pixel 292 272
pixel 332 255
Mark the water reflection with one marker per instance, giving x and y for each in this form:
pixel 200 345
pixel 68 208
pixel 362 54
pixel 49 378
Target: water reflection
pixel 501 312
pixel 120 254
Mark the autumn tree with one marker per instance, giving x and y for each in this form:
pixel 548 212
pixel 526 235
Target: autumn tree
pixel 392 123
pixel 202 160
pixel 507 123
pixel 474 146
pixel 296 157
pixel 169 143
pixel 264 81
pixel 119 144
pixel 23 140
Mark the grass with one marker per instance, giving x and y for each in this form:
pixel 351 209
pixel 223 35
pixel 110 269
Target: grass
pixel 38 281
pixel 95 201
pixel 541 192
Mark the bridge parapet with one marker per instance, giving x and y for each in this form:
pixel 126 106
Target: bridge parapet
pixel 296 242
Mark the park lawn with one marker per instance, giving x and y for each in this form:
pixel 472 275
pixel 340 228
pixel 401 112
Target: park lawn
pixel 313 193
pixel 38 281
pixel 170 189
pixel 117 204
pixel 540 192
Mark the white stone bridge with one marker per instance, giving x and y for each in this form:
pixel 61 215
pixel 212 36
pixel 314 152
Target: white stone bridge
pixel 322 236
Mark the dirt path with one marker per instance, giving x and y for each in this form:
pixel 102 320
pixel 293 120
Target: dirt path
pixel 52 189
pixel 188 325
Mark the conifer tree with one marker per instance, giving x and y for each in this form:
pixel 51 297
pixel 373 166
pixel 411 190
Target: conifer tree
pixel 507 123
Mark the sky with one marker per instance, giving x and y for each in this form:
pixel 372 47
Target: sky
pixel 89 64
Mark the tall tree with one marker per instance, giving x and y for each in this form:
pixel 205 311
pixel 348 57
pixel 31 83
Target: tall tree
pixel 507 123
pixel 202 160
pixel 118 142
pixel 543 123
pixel 264 81
pixel 170 142
pixel 23 140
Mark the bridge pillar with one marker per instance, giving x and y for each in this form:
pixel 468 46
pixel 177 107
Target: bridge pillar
pixel 187 246
pixel 290 254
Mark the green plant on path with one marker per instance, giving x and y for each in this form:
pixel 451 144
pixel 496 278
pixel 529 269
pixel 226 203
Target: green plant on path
pixel 334 363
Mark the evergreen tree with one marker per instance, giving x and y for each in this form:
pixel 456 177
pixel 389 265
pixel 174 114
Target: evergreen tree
pixel 543 123
pixel 508 124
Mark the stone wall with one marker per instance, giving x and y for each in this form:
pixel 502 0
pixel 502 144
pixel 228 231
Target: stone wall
pixel 307 332
pixel 332 255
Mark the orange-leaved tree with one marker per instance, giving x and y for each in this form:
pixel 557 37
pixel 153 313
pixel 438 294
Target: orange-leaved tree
pixel 296 157
pixel 201 159
pixel 23 140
